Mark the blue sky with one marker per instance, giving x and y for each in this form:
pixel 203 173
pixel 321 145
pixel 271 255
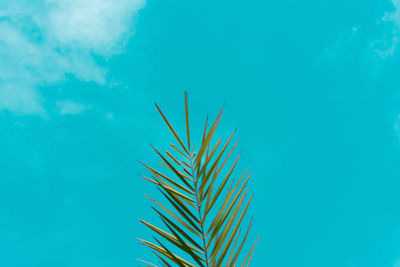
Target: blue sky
pixel 312 87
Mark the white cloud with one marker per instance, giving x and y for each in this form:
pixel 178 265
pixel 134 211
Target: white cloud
pixel 99 26
pixel 397 127
pixel 43 41
pixel 389 44
pixel 68 107
pixel 21 98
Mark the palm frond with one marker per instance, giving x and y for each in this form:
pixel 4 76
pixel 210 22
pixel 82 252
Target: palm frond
pixel 202 216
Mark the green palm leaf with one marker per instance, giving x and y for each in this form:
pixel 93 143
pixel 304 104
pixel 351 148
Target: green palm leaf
pixel 202 217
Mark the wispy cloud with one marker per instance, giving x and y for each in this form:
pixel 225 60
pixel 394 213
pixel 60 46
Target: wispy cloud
pixel 384 44
pixel 69 107
pixel 397 129
pixel 388 45
pixel 340 51
pixel 43 41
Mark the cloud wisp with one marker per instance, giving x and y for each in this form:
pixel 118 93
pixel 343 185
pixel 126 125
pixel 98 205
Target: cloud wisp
pixel 68 107
pixel 389 44
pixel 397 129
pixel 42 42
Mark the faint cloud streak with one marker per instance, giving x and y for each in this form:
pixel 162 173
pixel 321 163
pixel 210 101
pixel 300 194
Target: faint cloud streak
pixel 397 129
pixel 68 107
pixel 388 45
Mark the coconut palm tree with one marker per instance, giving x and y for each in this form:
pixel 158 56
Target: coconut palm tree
pixel 203 208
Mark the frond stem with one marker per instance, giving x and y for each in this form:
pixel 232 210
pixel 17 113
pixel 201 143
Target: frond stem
pixel 203 236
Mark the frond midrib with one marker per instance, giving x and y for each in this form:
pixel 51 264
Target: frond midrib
pixel 198 203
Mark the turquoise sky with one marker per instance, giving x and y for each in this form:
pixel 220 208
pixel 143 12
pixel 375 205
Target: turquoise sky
pixel 313 88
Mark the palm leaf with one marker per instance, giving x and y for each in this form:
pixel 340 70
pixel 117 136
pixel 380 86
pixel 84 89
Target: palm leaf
pixel 202 217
